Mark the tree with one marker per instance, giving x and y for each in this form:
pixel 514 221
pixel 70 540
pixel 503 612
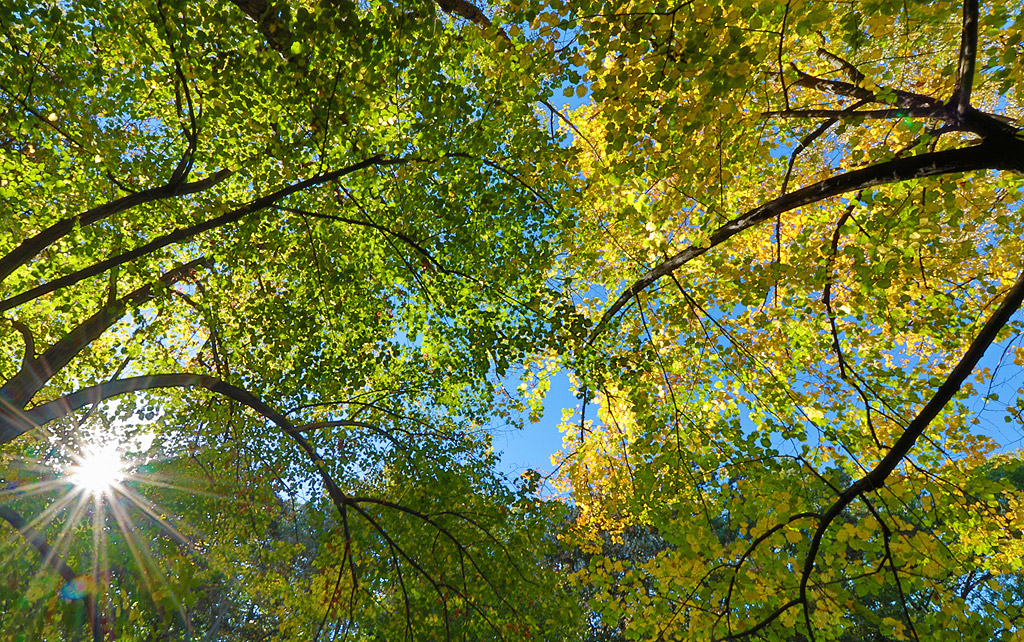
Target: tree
pixel 297 246
pixel 629 575
pixel 302 246
pixel 806 218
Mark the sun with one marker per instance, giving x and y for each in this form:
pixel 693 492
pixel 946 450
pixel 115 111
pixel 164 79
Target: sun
pixel 98 469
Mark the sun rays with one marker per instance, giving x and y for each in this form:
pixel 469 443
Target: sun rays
pixel 83 502
pixel 98 469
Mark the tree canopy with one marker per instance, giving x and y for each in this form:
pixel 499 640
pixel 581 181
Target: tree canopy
pixel 297 261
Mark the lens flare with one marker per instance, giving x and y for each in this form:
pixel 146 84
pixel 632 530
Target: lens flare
pixel 98 469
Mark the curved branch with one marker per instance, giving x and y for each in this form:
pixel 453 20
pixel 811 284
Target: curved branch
pixel 186 233
pixel 28 339
pixel 405 238
pixel 31 247
pixel 88 396
pixel 810 138
pixel 762 624
pixel 876 478
pixel 349 423
pixel 1003 154
pixel 471 12
pixel 739 564
pixel 61 407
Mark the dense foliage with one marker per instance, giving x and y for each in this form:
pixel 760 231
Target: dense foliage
pixel 300 246
pixel 292 260
pixel 818 207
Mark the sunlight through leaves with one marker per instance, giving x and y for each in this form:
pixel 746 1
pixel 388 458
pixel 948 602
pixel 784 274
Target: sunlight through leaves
pixel 98 469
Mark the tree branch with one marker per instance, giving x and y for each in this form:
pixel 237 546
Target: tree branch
pixel 905 99
pixel 966 59
pixel 1005 154
pixel 36 540
pixel 28 339
pixel 467 10
pixel 273 26
pixel 405 238
pixel 186 233
pixel 876 478
pixel 349 423
pixel 938 113
pixel 50 557
pixel 31 247
pixel 810 138
pixel 19 389
pixel 61 407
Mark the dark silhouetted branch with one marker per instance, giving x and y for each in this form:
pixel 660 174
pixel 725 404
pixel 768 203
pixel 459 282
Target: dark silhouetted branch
pixel 1004 154
pixel 966 60
pixel 876 478
pixel 186 233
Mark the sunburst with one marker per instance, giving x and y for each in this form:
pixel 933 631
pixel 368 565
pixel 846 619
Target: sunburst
pixel 98 470
pixel 95 483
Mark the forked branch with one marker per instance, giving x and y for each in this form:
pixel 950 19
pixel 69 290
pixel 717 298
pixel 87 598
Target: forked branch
pixel 31 247
pixel 861 89
pixel 19 390
pixel 186 233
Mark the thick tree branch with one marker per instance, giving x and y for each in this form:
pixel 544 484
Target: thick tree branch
pixel 61 407
pixel 895 97
pixel 876 478
pixel 965 62
pixel 937 113
pixel 36 540
pixel 855 75
pixel 19 389
pixel 1004 154
pixel 31 247
pixel 50 557
pixel 45 413
pixel 28 340
pixel 186 233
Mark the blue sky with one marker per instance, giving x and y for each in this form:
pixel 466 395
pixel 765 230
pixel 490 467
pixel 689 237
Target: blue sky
pixel 533 446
